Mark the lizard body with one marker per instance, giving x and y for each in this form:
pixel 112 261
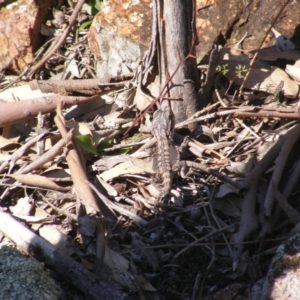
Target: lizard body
pixel 162 127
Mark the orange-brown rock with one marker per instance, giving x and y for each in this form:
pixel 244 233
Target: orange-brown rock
pixel 225 20
pixel 20 24
pixel 231 20
pixel 120 34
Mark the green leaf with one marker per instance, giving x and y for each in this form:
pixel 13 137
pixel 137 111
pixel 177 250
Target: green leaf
pixel 98 4
pixel 94 6
pixel 222 69
pixel 124 151
pixel 133 138
pixel 86 143
pixel 239 69
pixel 103 145
pixel 84 25
pixel 89 8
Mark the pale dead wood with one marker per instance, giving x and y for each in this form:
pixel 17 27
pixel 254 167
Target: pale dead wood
pixel 78 175
pixel 37 181
pixel 288 113
pixel 15 112
pixel 20 152
pixel 47 156
pixel 82 86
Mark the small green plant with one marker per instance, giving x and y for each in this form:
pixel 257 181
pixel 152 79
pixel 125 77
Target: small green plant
pixel 86 143
pixel 128 140
pixel 102 146
pixel 84 25
pixel 92 7
pixel 239 69
pixel 222 69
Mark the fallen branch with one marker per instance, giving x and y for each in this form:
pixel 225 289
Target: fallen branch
pixel 78 174
pixel 214 115
pixel 37 181
pixel 16 112
pixel 82 86
pixel 269 113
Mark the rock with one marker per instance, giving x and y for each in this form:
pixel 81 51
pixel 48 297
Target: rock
pixel 283 279
pixel 121 31
pixel 293 71
pixel 119 36
pixel 25 278
pixel 230 20
pixel 20 24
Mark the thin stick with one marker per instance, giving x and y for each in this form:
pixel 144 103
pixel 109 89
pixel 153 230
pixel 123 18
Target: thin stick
pixel 61 39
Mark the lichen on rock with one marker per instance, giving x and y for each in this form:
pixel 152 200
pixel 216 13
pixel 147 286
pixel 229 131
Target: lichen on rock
pixel 25 278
